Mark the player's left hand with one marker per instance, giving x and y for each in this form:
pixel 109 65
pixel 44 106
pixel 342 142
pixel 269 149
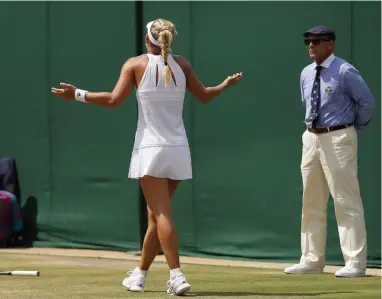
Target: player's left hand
pixel 67 92
pixel 231 80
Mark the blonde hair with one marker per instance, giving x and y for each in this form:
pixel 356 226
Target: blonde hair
pixel 164 31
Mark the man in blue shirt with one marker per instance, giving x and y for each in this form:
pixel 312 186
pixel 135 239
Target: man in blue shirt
pixel 338 105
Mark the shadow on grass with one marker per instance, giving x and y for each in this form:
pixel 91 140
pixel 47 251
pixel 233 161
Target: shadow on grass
pixel 239 294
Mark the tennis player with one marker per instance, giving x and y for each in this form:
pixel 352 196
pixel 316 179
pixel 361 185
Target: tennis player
pixel 161 155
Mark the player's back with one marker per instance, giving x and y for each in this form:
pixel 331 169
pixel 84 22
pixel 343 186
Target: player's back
pixel 160 116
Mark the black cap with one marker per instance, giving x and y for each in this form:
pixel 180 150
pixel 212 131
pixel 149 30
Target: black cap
pixel 321 31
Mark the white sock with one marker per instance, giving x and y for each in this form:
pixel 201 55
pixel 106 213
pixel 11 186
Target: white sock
pixel 137 270
pixel 175 272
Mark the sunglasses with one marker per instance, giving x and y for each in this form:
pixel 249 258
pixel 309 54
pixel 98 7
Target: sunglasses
pixel 316 42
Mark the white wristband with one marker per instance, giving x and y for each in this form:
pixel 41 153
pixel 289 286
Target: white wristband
pixel 80 95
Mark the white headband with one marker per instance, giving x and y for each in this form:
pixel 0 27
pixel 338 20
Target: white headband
pixel 152 39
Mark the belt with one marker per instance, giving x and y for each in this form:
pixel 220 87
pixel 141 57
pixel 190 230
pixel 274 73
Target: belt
pixel 328 129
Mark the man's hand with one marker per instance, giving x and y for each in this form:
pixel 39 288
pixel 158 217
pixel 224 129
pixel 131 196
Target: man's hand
pixel 67 92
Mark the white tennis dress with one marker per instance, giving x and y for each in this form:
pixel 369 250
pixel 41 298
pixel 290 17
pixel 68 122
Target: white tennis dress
pixel 161 146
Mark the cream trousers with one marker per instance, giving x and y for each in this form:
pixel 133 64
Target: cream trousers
pixel 329 165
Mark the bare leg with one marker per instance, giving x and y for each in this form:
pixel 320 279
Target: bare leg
pixel 158 193
pixel 151 243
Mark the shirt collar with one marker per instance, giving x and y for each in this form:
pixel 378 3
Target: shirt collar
pixel 327 61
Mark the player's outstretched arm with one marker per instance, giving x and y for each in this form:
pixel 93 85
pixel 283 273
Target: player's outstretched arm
pixel 197 89
pixel 122 90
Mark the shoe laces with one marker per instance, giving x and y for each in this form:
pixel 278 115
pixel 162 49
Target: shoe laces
pixel 169 286
pixel 132 273
pixel 129 273
pixel 136 280
pixel 170 282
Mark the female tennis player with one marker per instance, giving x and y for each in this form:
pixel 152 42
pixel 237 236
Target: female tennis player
pixel 161 155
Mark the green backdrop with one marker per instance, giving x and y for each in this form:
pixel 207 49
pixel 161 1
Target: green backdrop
pixel 245 198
